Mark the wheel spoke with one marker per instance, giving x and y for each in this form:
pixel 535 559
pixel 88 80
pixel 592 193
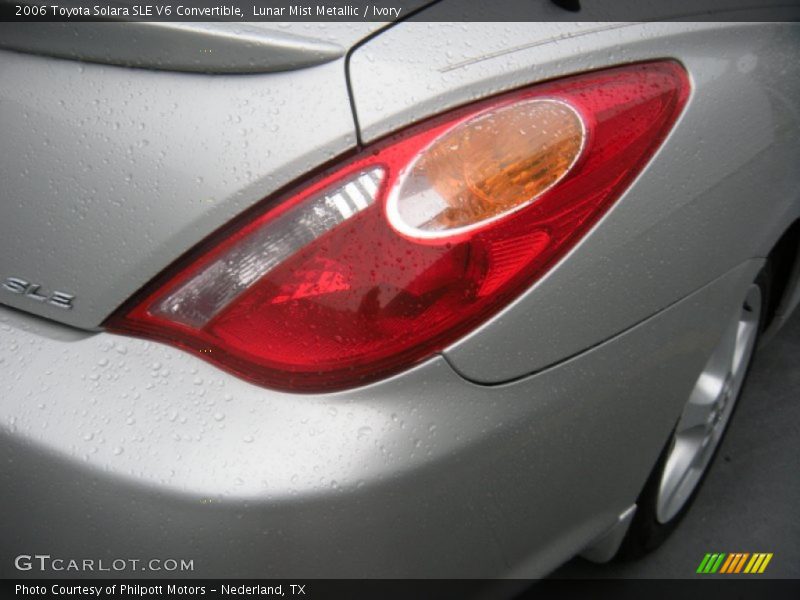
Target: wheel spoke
pixel 678 472
pixel 698 409
pixel 745 340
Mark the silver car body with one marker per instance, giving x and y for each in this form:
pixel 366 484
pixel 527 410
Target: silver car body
pixel 517 448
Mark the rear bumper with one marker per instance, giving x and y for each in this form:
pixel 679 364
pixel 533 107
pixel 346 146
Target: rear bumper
pixel 119 448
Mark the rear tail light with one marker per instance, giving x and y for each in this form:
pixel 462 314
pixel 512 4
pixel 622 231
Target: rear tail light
pixel 393 255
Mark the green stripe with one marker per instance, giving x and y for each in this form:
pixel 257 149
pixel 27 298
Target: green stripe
pixel 701 568
pixel 710 563
pixel 718 563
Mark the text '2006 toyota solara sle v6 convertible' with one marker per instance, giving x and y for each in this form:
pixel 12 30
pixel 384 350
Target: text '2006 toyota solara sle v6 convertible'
pixel 354 300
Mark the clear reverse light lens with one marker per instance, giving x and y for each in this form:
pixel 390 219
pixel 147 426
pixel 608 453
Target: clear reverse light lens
pixel 199 299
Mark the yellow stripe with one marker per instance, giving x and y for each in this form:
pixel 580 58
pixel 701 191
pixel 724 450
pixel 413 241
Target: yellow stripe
pixel 757 564
pixel 765 563
pixel 741 562
pixel 728 562
pixel 749 566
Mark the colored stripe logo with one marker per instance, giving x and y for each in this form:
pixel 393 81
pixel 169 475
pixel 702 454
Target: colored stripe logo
pixel 733 563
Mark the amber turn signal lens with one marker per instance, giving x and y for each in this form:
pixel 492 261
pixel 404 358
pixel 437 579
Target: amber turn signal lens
pixel 487 167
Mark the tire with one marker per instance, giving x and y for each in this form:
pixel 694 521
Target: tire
pixel 663 502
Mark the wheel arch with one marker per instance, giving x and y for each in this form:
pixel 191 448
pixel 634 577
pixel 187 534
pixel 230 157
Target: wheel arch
pixel 784 292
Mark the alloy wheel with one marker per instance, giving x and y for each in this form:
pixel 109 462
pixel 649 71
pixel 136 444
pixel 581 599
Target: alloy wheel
pixel 708 409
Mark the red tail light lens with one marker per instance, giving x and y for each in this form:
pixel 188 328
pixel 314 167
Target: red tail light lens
pixel 382 262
